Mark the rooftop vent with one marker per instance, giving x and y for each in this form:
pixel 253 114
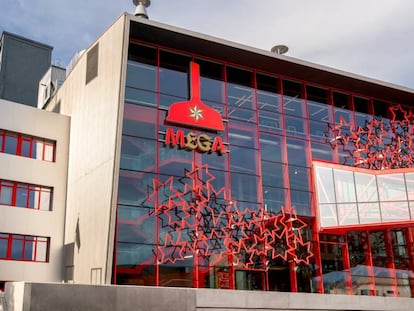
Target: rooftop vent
pixel 279 49
pixel 141 10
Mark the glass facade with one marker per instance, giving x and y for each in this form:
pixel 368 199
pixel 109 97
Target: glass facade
pixel 274 128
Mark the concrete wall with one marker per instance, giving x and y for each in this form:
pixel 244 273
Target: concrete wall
pixel 37 297
pixel 24 62
pixel 27 120
pixel 94 108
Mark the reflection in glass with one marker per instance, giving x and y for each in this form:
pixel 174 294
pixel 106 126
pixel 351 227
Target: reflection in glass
pixel 295 126
pixel 140 97
pixel 141 76
pixel 328 215
pixel 244 187
pixel 395 211
pixel 270 121
pixel 240 96
pixel 271 147
pixel 369 213
pixel 347 214
pixel 325 185
pixel 243 160
pixel 321 151
pixel 298 177
pixel 138 154
pixel 272 173
pixel 391 187
pixel 318 112
pixel 366 187
pixel 344 186
pixel 409 180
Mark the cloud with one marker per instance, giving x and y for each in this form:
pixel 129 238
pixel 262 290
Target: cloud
pixel 367 37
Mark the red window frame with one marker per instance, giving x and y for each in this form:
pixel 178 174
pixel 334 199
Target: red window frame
pixel 29 190
pixel 36 251
pixel 33 142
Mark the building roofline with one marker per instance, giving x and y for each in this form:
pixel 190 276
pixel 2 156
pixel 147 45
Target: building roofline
pixel 25 39
pixel 201 44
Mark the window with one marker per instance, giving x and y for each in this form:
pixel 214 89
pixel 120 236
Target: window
pixel 25 195
pixel 27 146
pixel 24 247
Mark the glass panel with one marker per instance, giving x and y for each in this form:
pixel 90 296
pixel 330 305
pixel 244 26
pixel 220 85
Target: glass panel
pixel 140 97
pixel 33 195
pixel 25 148
pixel 1 141
pixel 394 211
pixel 301 200
pixel 138 154
pixel 242 134
pixel 135 225
pixel 268 100
pixel 6 193
pixel 325 185
pixel 318 112
pixel 3 245
pixel 347 214
pixel 298 177
pixel 274 198
pixel 344 186
pixel 131 255
pixel 366 187
pixel 173 74
pixel 271 147
pixel 17 247
pixel 391 187
pixel 322 152
pixel 243 160
pixel 369 213
pixel 297 151
pixel 29 248
pixel 409 179
pixel 318 129
pixel 140 121
pixel 240 96
pixel 45 200
pixel 244 115
pixel 293 103
pixel 272 173
pixel 346 115
pixel 133 187
pixel 270 121
pixel 10 145
pixel 244 187
pixel 173 161
pixel 212 86
pixel 328 215
pixel 42 249
pixel 334 275
pixel 21 195
pixel 49 151
pixel 362 119
pixel 295 126
pixel 141 76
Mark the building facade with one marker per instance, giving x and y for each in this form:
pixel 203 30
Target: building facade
pixel 23 62
pixel 33 178
pixel 197 162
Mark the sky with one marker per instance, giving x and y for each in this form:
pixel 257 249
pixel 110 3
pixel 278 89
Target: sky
pixel 372 38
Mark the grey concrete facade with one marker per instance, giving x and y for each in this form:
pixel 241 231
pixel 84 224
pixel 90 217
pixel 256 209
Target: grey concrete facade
pixel 43 297
pixel 23 62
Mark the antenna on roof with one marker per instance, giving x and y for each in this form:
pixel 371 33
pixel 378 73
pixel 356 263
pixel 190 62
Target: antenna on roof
pixel 279 49
pixel 141 10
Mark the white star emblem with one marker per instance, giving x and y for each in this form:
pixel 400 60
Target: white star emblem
pixel 196 113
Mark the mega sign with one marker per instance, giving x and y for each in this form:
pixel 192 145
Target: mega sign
pixel 196 115
pixel 201 143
